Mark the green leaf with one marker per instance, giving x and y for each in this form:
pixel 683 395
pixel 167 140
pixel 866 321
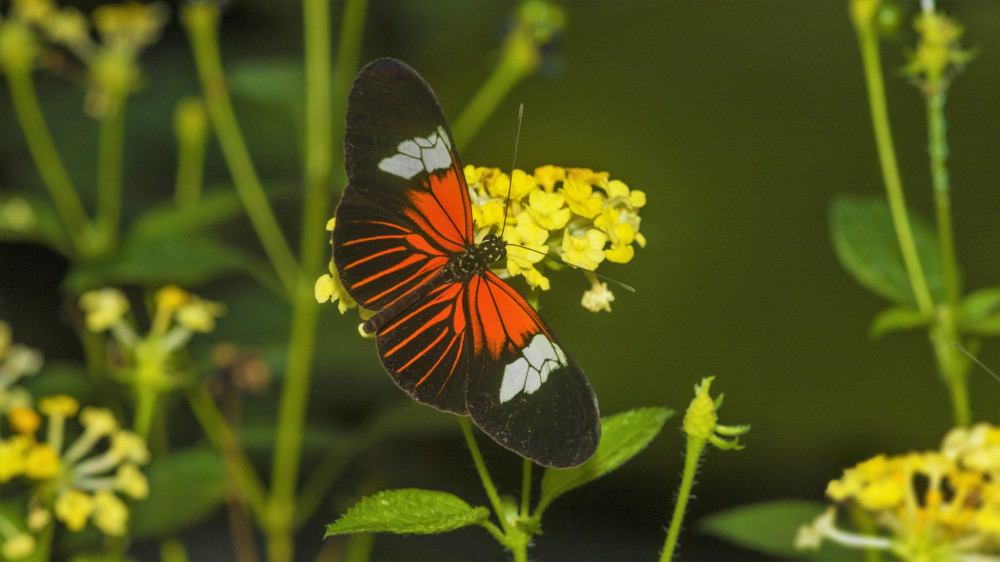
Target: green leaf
pixel 979 312
pixel 865 240
pixel 167 219
pixel 771 527
pixel 407 511
pixel 623 436
pixel 184 488
pixel 897 318
pixel 187 260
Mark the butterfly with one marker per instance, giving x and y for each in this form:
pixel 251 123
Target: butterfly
pixel 449 331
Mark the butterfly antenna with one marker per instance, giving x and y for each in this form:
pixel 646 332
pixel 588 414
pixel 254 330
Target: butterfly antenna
pixel 977 361
pixel 581 268
pixel 510 188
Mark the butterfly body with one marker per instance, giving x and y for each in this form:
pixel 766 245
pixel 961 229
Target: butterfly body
pixel 449 331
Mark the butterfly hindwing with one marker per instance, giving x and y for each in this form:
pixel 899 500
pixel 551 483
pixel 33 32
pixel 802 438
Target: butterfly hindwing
pixel 523 389
pixel 426 348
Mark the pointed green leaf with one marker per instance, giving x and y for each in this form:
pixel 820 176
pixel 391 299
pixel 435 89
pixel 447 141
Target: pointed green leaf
pixel 980 312
pixel 865 240
pixel 184 488
pixel 187 260
pixel 896 318
pixel 771 527
pixel 623 436
pixel 408 511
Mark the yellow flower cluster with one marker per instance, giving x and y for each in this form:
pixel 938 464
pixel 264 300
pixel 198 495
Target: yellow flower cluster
pixel 582 215
pixel 124 31
pixel 177 317
pixel 76 483
pixel 937 505
pixel 938 53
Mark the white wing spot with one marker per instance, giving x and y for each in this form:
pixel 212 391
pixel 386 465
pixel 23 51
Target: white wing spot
pixel 530 371
pixel 419 154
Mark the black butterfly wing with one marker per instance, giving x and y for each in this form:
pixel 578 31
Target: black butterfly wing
pixel 406 207
pixel 523 389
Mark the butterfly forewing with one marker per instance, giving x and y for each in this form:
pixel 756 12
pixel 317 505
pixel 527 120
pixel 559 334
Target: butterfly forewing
pixel 457 338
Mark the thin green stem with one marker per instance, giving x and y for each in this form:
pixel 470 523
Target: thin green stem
pixel 238 466
pixel 519 58
pixel 695 446
pixel 201 22
pixel 145 409
pixel 110 144
pixel 290 424
pixel 43 151
pixel 319 132
pixel 938 148
pixel 484 475
pixel 192 138
pixel 868 40
pixel 954 367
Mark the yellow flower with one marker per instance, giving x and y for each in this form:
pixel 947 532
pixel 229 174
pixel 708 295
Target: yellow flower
pixel 132 481
pixel 110 513
pixel 35 11
pixel 128 445
pixel 58 405
pixel 199 315
pixel 24 420
pixel 74 508
pixel 491 213
pixel 580 198
pixel 928 506
pixel 598 298
pixel 12 456
pixel 548 209
pixel 171 298
pixel 104 308
pixel 69 27
pixel 521 261
pixel 586 251
pixel 330 288
pixel 131 25
pixel 98 421
pixel 586 175
pixel 548 176
pixel 18 546
pixel 522 183
pixel 41 462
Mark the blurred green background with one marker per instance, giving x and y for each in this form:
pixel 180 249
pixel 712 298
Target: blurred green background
pixel 740 120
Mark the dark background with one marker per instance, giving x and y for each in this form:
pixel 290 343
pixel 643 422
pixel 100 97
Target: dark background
pixel 740 120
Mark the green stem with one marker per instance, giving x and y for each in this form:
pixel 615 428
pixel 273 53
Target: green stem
pixel 290 424
pixel 519 60
pixel 695 446
pixel 237 464
pixel 110 144
pixel 484 475
pixel 190 162
pixel 868 40
pixel 954 367
pixel 319 134
pixel 145 408
pixel 46 157
pixel 201 22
